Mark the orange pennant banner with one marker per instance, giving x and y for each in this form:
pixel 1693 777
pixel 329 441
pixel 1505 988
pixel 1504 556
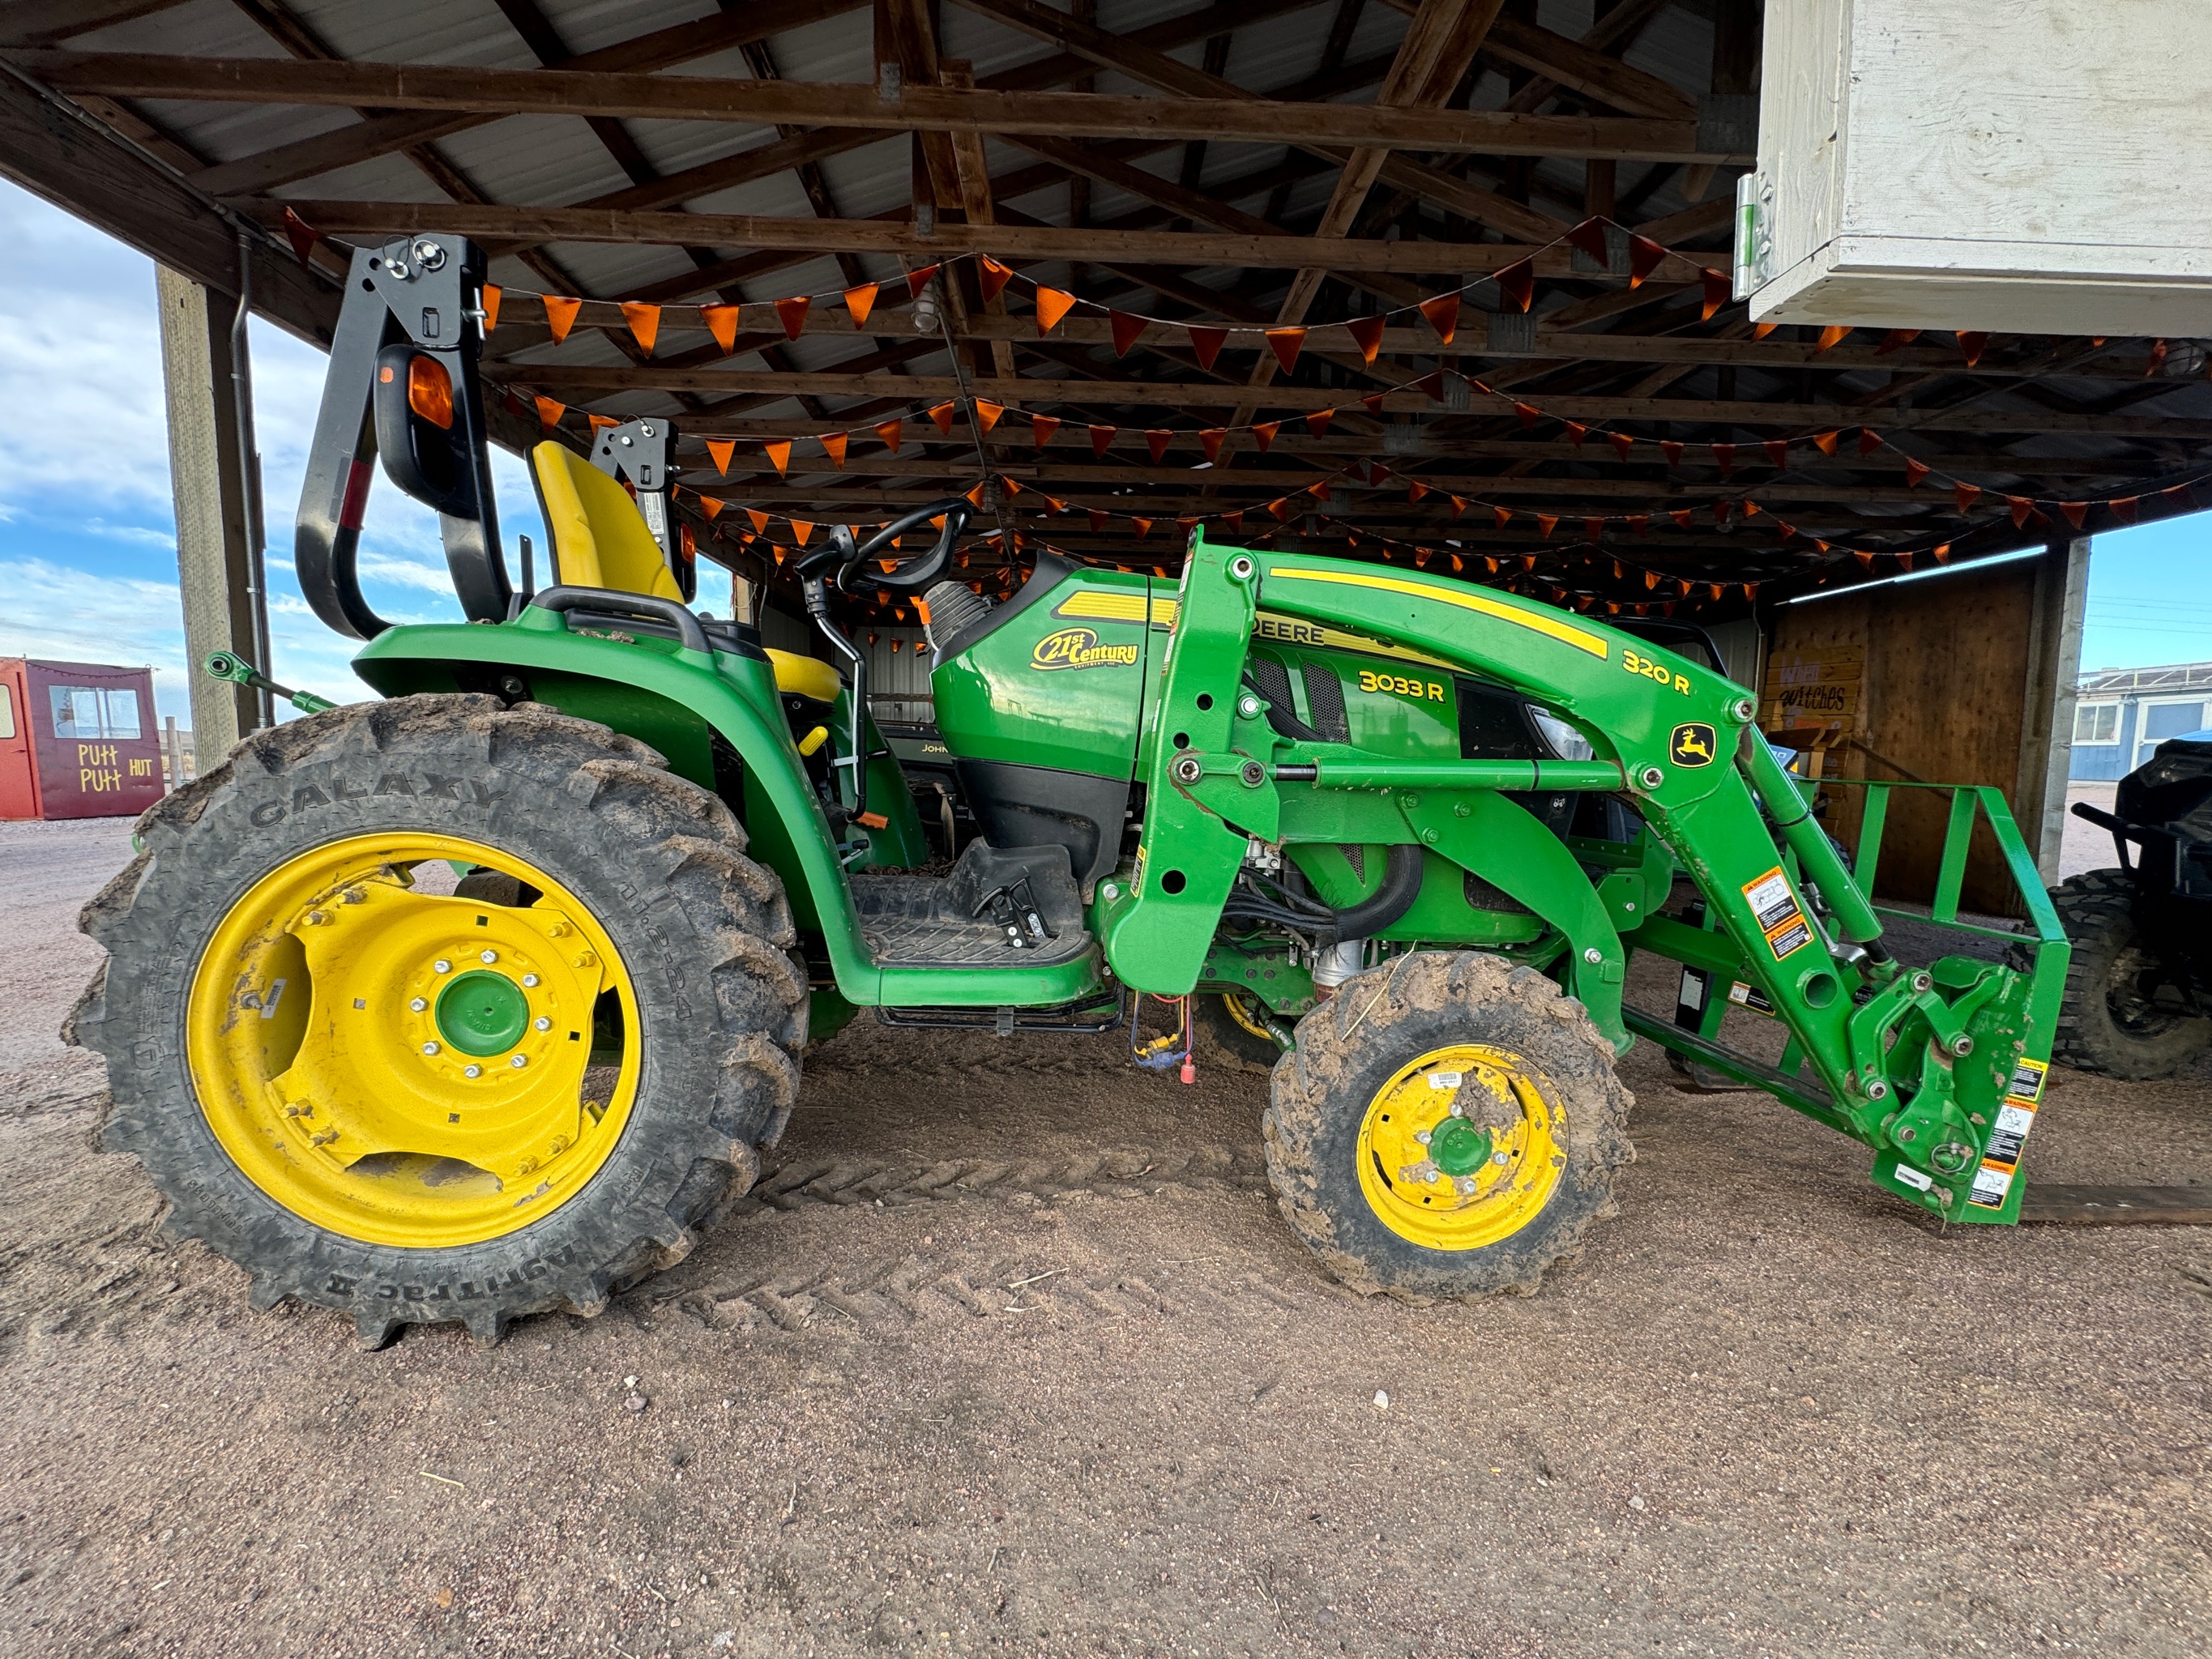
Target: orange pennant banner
pixel 1964 494
pixel 722 323
pixel 1125 329
pixel 1041 427
pixel 1264 433
pixel 712 506
pixel 833 444
pixel 491 299
pixel 792 314
pixel 549 414
pixel 992 277
pixel 1100 437
pixel 1317 422
pixel 1157 442
pixel 1286 342
pixel 986 414
pixel 759 519
pixel 721 449
pixel 644 322
pixel 1442 314
pixel 1210 441
pixel 1052 304
pixel 860 301
pixel 801 530
pixel 1829 336
pixel 780 452
pixel 943 414
pixel 890 432
pixel 1367 332
pixel 1546 523
pixel 1206 344
pixel 561 314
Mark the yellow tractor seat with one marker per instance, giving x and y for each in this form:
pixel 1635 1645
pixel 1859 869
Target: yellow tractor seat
pixel 805 676
pixel 599 537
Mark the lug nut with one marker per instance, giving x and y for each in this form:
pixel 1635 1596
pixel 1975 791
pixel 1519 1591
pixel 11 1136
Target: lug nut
pixel 1463 1184
pixel 519 1061
pixel 529 980
pixel 441 966
pixel 558 930
pixel 472 1071
pixel 542 1023
pixel 488 957
pixel 317 918
pixel 1421 1135
pixel 417 1004
pixel 429 1048
pixel 1497 1158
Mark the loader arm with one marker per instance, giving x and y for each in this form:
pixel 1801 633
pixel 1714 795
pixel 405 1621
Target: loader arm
pixel 1887 1051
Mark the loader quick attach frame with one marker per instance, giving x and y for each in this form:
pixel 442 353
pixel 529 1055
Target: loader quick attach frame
pixel 1938 1069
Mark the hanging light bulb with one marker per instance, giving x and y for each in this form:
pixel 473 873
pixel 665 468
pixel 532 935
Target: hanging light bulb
pixel 925 309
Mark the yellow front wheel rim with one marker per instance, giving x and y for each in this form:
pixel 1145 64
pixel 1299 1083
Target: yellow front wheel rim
pixel 1462 1148
pixel 402 1065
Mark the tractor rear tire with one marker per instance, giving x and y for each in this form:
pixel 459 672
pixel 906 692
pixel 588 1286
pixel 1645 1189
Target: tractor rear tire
pixel 661 930
pixel 1449 1126
pixel 2105 1024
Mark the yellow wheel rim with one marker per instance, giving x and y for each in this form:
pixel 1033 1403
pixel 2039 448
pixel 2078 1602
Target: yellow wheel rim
pixel 401 1065
pixel 1462 1148
pixel 1241 1012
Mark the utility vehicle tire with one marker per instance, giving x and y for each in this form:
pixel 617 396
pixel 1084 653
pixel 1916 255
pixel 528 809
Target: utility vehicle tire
pixel 1228 1023
pixel 2106 1024
pixel 1488 1060
pixel 414 1100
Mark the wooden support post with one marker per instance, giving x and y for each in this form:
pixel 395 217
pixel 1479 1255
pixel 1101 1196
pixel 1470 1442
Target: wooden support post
pixel 2054 664
pixel 224 607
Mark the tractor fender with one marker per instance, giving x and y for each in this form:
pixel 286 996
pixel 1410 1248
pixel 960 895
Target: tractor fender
pixel 679 700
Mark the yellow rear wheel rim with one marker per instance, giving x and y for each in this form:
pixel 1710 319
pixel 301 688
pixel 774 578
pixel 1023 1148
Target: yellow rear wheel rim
pixel 1462 1148
pixel 403 1067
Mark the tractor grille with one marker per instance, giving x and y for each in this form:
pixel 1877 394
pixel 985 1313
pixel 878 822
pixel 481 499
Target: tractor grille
pixel 1356 856
pixel 1272 681
pixel 1482 896
pixel 1325 700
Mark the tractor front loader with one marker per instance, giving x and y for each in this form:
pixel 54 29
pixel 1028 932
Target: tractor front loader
pixel 481 999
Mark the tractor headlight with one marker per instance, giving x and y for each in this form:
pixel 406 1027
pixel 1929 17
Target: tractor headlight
pixel 1561 738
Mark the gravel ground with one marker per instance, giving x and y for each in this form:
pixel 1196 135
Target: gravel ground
pixel 1014 1355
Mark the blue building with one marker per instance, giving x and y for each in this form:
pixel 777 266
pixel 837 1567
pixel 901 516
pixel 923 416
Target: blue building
pixel 2122 714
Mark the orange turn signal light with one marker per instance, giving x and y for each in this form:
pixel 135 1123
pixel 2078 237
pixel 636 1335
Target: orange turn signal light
pixel 430 391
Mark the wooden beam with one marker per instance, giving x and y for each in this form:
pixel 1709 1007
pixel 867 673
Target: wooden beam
pixel 1589 71
pixel 44 22
pixel 592 380
pixel 493 223
pixel 757 20
pixel 83 168
pixel 929 109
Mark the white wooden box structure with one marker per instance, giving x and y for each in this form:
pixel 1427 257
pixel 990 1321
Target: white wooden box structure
pixel 2022 166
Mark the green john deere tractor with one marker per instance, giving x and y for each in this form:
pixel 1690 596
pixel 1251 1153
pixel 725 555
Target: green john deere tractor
pixel 480 1000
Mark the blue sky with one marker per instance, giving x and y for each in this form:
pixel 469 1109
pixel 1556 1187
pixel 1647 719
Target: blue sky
pixel 87 550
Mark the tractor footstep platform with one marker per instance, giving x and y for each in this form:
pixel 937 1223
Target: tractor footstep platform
pixel 1010 908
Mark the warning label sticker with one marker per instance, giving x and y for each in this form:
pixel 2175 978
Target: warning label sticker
pixel 2008 1135
pixel 1776 908
pixel 1751 997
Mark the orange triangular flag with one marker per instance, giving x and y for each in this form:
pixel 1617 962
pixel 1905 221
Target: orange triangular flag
pixel 780 452
pixel 712 506
pixel 1206 344
pixel 860 301
pixel 792 314
pixel 1286 342
pixel 561 314
pixel 759 519
pixel 549 414
pixel 1829 336
pixel 1760 330
pixel 992 277
pixel 1156 441
pixel 986 414
pixel 918 280
pixel 1622 443
pixel 597 422
pixel 1125 330
pixel 1265 432
pixel 1052 304
pixel 1100 437
pixel 1317 422
pixel 2074 512
pixel 1041 427
pixel 1914 472
pixel 801 529
pixel 722 449
pixel 1143 526
pixel 491 298
pixel 833 444
pixel 644 322
pixel 1964 492
pixel 1367 332
pixel 1210 441
pixel 1826 442
pixel 722 323
pixel 1503 517
pixel 943 415
pixel 1443 313
pixel 1547 522
pixel 890 432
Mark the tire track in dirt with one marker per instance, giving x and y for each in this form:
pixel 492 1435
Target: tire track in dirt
pixel 1120 1172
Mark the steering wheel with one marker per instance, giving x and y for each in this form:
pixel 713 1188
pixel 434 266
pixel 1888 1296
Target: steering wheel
pixel 849 555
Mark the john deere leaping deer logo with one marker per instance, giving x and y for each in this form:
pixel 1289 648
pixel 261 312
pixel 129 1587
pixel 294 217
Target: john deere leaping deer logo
pixel 1692 745
pixel 1079 647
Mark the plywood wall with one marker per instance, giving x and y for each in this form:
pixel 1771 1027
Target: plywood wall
pixel 1930 679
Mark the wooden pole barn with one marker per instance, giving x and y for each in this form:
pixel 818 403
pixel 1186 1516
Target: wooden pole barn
pixel 1200 268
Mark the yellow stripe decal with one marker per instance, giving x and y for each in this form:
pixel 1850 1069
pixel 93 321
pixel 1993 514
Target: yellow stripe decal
pixel 1565 633
pixel 1102 607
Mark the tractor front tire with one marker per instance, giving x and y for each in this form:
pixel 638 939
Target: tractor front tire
pixel 1232 1027
pixel 416 1100
pixel 2107 1023
pixel 1449 1126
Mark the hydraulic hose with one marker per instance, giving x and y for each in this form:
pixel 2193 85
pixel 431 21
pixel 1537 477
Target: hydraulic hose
pixel 1401 885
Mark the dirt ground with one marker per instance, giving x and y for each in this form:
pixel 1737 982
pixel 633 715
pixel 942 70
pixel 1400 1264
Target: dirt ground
pixel 1013 1354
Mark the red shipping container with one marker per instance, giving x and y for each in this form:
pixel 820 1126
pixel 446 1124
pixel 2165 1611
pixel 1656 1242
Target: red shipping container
pixel 77 740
